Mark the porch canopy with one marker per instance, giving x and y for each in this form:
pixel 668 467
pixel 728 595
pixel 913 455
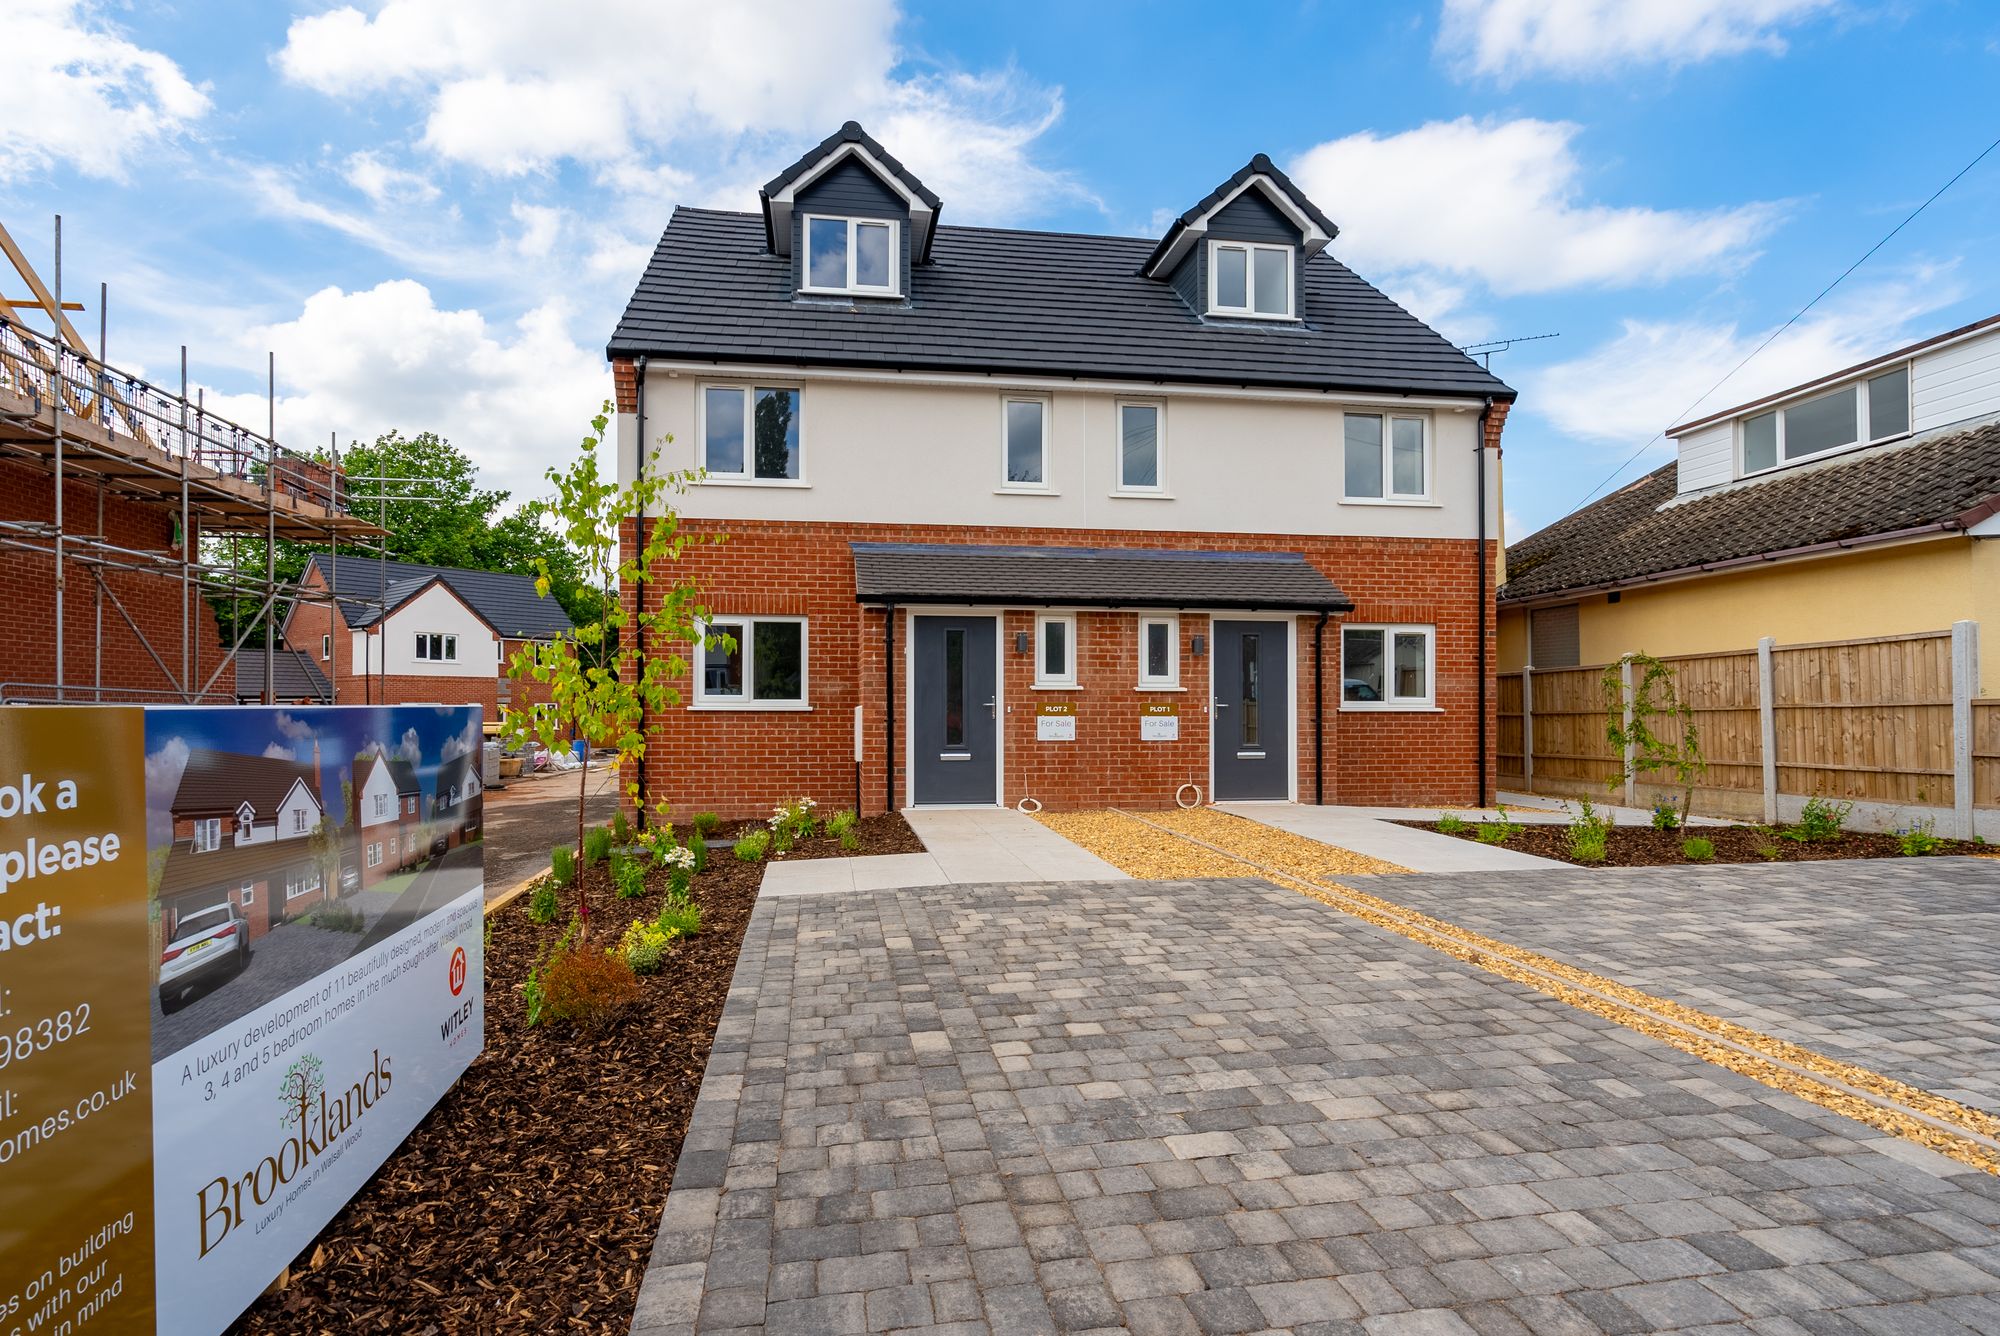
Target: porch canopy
pixel 1090 577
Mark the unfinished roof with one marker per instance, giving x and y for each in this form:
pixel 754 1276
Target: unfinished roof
pixel 215 782
pixel 1943 482
pixel 1026 303
pixel 508 602
pixel 1090 577
pixel 294 676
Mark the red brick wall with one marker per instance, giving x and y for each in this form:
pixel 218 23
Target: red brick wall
pixel 625 384
pixel 741 763
pixel 28 613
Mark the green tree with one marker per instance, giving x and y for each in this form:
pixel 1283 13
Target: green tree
pixel 600 687
pixel 1653 732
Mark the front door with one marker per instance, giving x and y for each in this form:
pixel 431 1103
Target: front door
pixel 953 728
pixel 1252 711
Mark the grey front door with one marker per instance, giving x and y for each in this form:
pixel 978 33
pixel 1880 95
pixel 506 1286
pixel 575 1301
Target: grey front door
pixel 1252 711
pixel 953 727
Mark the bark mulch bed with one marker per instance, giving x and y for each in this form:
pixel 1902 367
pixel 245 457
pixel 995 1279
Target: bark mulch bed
pixel 884 833
pixel 527 1201
pixel 1642 846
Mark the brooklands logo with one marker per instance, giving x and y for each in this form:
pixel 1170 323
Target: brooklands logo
pixel 316 1122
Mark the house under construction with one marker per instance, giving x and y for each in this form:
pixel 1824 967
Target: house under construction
pixel 109 484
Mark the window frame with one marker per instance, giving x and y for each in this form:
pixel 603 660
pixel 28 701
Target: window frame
pixel 854 224
pixel 207 836
pixel 326 648
pixel 1863 420
pixel 1389 417
pixel 1047 485
pixel 1390 702
pixel 374 853
pixel 1172 681
pixel 446 647
pixel 246 894
pixel 746 394
pixel 701 699
pixel 1067 680
pixel 1119 486
pixel 1249 310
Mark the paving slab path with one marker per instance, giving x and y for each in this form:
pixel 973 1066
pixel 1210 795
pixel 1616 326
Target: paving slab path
pixel 1893 964
pixel 961 846
pixel 1216 1107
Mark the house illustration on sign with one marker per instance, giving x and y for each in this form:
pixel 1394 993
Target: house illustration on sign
pixel 455 801
pixel 242 834
pixel 385 814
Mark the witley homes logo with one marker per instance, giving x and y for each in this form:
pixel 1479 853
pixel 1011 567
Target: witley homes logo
pixel 316 1120
pixel 453 1027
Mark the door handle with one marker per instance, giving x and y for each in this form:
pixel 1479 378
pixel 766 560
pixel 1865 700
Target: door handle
pixel 1222 705
pixel 989 707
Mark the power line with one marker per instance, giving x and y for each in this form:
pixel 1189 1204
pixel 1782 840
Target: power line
pixel 1797 316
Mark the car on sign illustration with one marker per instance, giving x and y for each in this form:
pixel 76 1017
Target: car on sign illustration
pixel 208 945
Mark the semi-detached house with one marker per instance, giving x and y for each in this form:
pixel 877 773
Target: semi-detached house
pixel 1082 519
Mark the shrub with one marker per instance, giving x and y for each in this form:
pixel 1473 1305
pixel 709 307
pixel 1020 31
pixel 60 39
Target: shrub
pixel 1920 839
pixel 658 842
pixel 596 845
pixel 1698 850
pixel 750 846
pixel 621 829
pixel 698 846
pixel 680 918
pixel 340 918
pixel 1666 816
pixel 1495 832
pixel 534 988
pixel 1589 835
pixel 543 906
pixel 1820 821
pixel 630 876
pixel 680 872
pixel 1451 823
pixel 562 864
pixel 644 946
pixel 792 822
pixel 586 988
pixel 1770 853
pixel 706 823
pixel 842 826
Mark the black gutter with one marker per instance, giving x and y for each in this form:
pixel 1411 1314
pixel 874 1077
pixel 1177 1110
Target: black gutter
pixel 1479 455
pixel 639 604
pixel 889 707
pixel 1319 711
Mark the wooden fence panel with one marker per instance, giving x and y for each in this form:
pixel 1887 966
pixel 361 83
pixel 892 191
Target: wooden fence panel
pixel 1572 755
pixel 1509 759
pixel 1986 753
pixel 1721 693
pixel 1867 719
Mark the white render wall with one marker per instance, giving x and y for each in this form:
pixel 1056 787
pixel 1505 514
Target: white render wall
pixel 898 452
pixel 438 610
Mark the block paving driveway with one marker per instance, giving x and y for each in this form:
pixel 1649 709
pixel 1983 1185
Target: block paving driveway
pixel 1221 1107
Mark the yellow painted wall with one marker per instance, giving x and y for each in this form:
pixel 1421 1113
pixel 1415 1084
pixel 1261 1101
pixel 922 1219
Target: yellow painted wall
pixel 1923 586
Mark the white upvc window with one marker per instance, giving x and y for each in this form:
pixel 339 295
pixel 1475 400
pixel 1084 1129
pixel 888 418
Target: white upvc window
pixel 1159 653
pixel 325 648
pixel 751 434
pixel 207 834
pixel 1387 667
pixel 851 255
pixel 246 823
pixel 246 896
pixel 1024 443
pixel 751 663
pixel 1859 413
pixel 375 854
pixel 1250 279
pixel 1055 650
pixel 1386 456
pixel 433 647
pixel 1142 448
pixel 301 881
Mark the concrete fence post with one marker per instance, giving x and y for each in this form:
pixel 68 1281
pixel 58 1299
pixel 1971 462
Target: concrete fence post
pixel 1528 727
pixel 1964 687
pixel 1631 777
pixel 1767 721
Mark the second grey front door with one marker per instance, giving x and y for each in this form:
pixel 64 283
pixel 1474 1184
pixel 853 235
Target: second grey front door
pixel 1252 711
pixel 954 722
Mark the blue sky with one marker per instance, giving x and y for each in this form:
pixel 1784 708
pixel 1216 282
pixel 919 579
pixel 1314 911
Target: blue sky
pixel 434 211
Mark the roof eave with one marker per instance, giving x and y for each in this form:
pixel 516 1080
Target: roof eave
pixel 1263 604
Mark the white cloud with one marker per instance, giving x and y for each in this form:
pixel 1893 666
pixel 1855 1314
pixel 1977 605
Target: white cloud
pixel 74 90
pixel 278 751
pixel 408 749
pixel 1655 374
pixel 293 727
pixel 163 779
pixel 458 744
pixel 1503 202
pixel 1508 40
pixel 360 363
pixel 384 183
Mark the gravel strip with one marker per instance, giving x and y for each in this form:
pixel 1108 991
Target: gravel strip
pixel 1136 848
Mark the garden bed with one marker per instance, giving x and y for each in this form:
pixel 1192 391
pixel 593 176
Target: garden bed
pixel 527 1201
pixel 1643 846
pixel 886 833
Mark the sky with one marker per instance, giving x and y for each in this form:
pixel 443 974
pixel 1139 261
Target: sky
pixel 433 212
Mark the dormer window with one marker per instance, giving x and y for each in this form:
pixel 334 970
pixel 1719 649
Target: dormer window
pixel 1248 279
pixel 1861 413
pixel 850 255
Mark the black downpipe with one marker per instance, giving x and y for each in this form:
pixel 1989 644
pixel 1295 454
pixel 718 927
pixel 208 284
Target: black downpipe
pixel 889 708
pixel 1319 711
pixel 1479 454
pixel 639 605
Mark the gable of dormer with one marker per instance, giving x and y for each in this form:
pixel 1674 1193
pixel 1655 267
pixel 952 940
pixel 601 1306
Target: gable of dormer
pixel 1242 251
pixel 851 219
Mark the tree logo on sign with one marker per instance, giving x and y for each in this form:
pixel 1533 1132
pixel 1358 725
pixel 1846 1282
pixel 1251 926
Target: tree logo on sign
pixel 304 1081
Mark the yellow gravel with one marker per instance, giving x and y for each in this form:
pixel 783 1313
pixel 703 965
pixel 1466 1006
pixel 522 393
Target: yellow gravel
pixel 1144 850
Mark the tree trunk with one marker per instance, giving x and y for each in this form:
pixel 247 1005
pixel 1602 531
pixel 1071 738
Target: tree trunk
pixel 582 791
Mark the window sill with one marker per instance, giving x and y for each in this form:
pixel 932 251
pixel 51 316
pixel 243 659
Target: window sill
pixel 1385 707
pixel 1408 503
pixel 1265 316
pixel 1056 686
pixel 1120 494
pixel 1144 686
pixel 885 293
pixel 751 707
pixel 1026 491
pixel 728 481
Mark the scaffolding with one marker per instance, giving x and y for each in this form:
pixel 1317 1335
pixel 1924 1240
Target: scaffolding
pixel 70 414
